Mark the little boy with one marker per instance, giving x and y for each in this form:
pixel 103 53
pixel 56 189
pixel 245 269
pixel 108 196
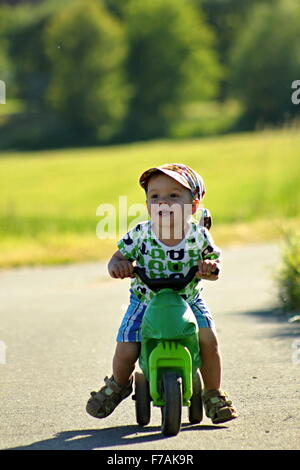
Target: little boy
pixel 167 246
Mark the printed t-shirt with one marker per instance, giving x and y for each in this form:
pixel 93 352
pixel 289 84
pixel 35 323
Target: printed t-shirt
pixel 160 261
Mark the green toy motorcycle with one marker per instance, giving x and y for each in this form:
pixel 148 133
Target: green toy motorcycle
pixel 170 356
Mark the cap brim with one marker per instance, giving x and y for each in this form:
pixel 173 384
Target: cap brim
pixel 172 174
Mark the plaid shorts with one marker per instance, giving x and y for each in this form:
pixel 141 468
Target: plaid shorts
pixel 130 329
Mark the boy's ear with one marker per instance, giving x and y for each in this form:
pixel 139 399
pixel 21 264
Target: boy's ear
pixel 195 205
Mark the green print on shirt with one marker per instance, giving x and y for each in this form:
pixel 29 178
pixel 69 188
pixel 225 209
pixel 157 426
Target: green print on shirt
pixel 140 261
pixel 152 241
pixel 175 267
pixel 157 253
pixel 194 254
pixel 156 264
pixel 162 261
pixel 124 249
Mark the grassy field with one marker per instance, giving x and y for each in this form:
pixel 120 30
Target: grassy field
pixel 48 200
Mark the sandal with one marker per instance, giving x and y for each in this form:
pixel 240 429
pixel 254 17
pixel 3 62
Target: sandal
pixel 218 407
pixel 103 402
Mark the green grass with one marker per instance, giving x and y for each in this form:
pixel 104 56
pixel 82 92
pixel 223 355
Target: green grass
pixel 48 199
pixel 206 119
pixel 12 106
pixel 288 277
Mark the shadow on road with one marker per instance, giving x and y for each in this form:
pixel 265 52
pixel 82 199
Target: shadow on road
pixel 89 439
pixel 276 317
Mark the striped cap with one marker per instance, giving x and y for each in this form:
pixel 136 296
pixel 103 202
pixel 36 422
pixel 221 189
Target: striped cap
pixel 182 173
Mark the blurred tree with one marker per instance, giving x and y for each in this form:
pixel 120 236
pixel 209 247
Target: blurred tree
pixel 171 62
pixel 227 18
pixel 24 26
pixel 116 7
pixel 18 2
pixel 5 63
pixel 266 60
pixel 86 48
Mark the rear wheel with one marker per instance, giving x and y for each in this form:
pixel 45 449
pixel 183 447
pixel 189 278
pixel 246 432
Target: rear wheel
pixel 195 410
pixel 171 411
pixel 142 399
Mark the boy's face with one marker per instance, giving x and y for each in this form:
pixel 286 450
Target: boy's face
pixel 168 202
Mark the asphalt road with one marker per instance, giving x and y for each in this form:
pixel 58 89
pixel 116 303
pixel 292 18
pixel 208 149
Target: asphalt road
pixel 58 325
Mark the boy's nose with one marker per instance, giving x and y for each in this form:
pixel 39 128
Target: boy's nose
pixel 164 202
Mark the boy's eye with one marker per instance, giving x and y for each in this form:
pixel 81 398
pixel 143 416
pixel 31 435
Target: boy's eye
pixel 172 196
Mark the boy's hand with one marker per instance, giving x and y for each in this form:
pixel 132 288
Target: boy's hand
pixel 121 269
pixel 206 270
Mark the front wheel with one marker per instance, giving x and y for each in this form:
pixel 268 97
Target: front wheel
pixel 171 411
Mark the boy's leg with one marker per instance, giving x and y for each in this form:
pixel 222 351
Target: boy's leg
pixel 211 359
pixel 117 387
pixel 126 355
pixel 217 405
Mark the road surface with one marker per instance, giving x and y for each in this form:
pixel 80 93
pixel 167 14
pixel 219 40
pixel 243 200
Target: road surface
pixel 57 337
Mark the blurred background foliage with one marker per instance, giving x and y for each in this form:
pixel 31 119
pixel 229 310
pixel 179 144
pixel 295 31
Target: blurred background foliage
pixel 89 72
pixel 156 76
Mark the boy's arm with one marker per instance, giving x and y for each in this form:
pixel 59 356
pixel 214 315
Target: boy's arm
pixel 119 266
pixel 210 262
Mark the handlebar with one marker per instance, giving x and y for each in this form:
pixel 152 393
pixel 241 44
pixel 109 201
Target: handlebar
pixel 174 283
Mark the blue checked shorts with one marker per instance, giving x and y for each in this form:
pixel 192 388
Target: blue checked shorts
pixel 129 330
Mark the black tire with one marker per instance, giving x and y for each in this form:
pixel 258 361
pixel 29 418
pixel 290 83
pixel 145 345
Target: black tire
pixel 195 410
pixel 142 399
pixel 171 411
